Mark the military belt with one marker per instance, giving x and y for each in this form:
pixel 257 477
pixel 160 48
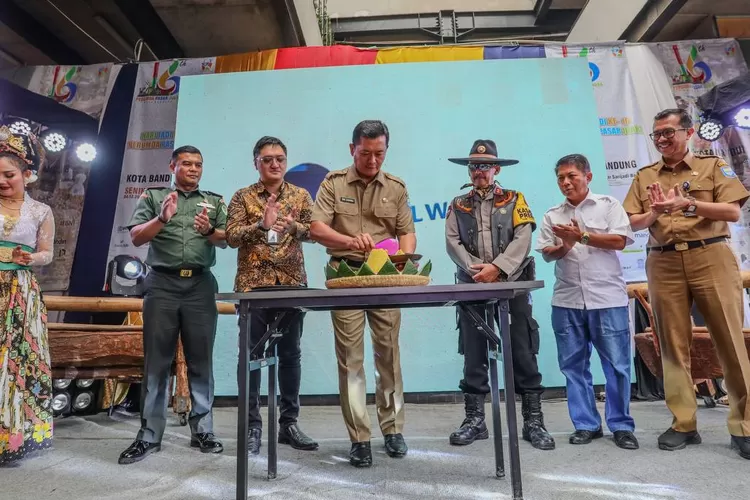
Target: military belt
pixel 182 273
pixel 687 245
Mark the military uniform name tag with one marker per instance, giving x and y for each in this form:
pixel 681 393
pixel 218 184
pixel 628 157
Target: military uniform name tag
pixel 205 204
pixel 347 200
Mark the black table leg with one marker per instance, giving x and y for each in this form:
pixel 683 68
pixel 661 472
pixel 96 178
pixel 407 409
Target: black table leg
pixel 242 407
pixel 497 427
pixel 510 400
pixel 272 425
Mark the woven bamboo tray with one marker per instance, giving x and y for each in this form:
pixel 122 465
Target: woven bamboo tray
pixel 378 281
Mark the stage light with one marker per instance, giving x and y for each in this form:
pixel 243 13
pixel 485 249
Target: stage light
pixel 54 142
pixel 710 130
pixel 742 118
pixel 83 401
pixel 129 268
pixel 20 127
pixel 61 383
pixel 86 152
pixel 60 403
pixel 84 383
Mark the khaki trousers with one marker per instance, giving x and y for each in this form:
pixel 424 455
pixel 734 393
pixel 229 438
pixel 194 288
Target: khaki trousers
pixel 349 329
pixel 709 276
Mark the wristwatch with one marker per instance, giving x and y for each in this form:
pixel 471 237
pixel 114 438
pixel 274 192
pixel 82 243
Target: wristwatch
pixel 692 207
pixel 260 226
pixel 585 238
pixel 211 231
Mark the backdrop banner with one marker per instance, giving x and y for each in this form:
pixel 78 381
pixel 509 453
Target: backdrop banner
pixel 150 140
pixel 83 88
pixel 623 133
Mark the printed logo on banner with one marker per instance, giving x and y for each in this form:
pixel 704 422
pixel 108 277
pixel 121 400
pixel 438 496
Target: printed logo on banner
pixel 594 70
pixel 611 125
pixel 162 85
pixel 64 90
pixel 694 69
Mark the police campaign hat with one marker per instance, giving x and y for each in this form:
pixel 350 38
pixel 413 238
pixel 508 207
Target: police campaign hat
pixel 483 151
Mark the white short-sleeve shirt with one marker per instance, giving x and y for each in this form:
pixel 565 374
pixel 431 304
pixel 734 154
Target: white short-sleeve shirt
pixel 588 277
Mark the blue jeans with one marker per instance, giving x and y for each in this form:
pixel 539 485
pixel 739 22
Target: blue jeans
pixel 576 330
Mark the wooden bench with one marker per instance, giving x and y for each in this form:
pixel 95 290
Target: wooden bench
pixel 704 364
pixel 110 352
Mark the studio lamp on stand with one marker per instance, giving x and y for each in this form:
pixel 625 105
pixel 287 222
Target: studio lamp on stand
pixel 125 277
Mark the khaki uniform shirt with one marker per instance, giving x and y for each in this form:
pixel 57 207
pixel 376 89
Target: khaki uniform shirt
pixel 514 254
pixel 706 178
pixel 350 206
pixel 178 245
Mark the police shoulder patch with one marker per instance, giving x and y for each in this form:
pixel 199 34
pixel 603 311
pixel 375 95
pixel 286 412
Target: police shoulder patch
pixel 727 171
pixel 522 212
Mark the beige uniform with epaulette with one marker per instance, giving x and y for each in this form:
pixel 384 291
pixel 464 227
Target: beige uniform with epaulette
pixel 380 208
pixel 706 273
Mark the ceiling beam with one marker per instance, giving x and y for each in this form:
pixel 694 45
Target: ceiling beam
pixel 151 28
pixel 28 28
pixel 436 25
pixel 541 8
pixel 652 20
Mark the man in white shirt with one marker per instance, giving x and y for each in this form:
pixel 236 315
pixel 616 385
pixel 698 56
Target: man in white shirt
pixel 590 301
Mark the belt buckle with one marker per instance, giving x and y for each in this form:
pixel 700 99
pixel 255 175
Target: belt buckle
pixel 186 273
pixel 681 247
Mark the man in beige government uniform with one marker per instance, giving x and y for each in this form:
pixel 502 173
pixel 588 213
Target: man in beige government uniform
pixel 356 208
pixel 685 201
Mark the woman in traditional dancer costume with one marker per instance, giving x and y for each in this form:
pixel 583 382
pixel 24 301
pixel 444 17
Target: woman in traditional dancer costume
pixel 28 230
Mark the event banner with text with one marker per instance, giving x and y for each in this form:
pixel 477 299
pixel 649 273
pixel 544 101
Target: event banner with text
pixel 150 140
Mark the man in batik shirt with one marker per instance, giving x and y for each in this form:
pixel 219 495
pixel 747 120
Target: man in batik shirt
pixel 268 221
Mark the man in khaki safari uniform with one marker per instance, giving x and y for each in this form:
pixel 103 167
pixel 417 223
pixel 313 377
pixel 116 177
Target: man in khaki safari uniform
pixel 685 201
pixel 356 208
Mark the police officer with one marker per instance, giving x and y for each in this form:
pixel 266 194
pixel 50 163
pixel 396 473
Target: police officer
pixel 685 200
pixel 488 237
pixel 183 226
pixel 356 208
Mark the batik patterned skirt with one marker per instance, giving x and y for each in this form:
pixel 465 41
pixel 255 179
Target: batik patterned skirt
pixel 25 374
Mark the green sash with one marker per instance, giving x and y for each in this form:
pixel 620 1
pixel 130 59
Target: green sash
pixel 11 266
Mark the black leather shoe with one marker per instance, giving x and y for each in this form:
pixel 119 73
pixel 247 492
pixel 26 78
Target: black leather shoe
pixel 138 451
pixel 626 440
pixel 360 454
pixel 742 445
pixel 673 440
pixel 585 437
pixel 395 446
pixel 207 442
pixel 293 436
pixel 253 441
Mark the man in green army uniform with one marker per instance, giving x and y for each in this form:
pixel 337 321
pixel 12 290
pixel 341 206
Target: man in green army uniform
pixel 183 226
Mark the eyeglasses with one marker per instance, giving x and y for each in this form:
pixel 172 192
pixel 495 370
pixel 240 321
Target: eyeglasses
pixel 268 160
pixel 667 133
pixel 482 167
